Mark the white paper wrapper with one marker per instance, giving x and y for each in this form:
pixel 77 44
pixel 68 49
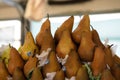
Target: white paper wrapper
pixel 43 57
pixel 9 78
pixel 50 76
pixel 72 78
pixel 35 10
pixel 61 60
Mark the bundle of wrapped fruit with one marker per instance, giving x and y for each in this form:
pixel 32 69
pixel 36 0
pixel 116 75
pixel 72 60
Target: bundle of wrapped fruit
pixel 69 55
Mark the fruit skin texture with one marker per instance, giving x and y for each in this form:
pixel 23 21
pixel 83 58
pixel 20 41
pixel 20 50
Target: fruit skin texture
pixel 65 44
pixel 18 74
pixel 84 25
pixel 67 25
pixel 36 75
pixel 3 71
pixel 72 64
pixel 29 47
pixel 82 73
pixel 59 75
pixel 15 60
pixel 86 47
pixel 106 75
pixel 52 65
pixel 98 64
pixel 30 66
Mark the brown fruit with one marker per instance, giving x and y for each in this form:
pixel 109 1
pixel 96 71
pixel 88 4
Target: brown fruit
pixel 65 44
pixel 96 38
pixel 59 75
pixel 84 25
pixel 68 24
pixel 98 64
pixel 45 26
pixel 52 65
pixel 86 47
pixel 18 74
pixel 108 56
pixel 30 66
pixel 36 75
pixel 3 71
pixel 15 60
pixel 106 75
pixel 115 69
pixel 72 64
pixel 82 74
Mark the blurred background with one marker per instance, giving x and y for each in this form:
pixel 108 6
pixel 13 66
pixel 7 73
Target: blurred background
pixel 104 17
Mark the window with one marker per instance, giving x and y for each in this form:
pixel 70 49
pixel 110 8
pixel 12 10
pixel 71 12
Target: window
pixel 10 33
pixel 107 25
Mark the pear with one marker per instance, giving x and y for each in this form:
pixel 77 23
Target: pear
pixel 82 73
pixel 86 47
pixel 98 63
pixel 68 24
pixel 65 44
pixel 18 74
pixel 52 65
pixel 44 38
pixel 72 64
pixel 108 56
pixel 106 75
pixel 84 25
pixel 36 75
pixel 30 66
pixel 29 47
pixel 15 60
pixel 3 71
pixel 45 26
pixel 59 75
pixel 96 38
pixel 115 69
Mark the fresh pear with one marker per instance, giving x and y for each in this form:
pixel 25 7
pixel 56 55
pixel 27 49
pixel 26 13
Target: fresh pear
pixel 84 25
pixel 3 71
pixel 98 63
pixel 72 64
pixel 68 24
pixel 30 66
pixel 108 56
pixel 52 65
pixel 45 26
pixel 59 75
pixel 82 73
pixel 65 44
pixel 29 47
pixel 115 69
pixel 96 38
pixel 15 60
pixel 36 75
pixel 18 74
pixel 86 47
pixel 106 75
pixel 44 38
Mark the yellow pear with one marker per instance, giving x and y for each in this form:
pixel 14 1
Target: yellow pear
pixel 65 44
pixel 68 24
pixel 72 64
pixel 86 47
pixel 84 25
pixel 15 60
pixel 29 47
